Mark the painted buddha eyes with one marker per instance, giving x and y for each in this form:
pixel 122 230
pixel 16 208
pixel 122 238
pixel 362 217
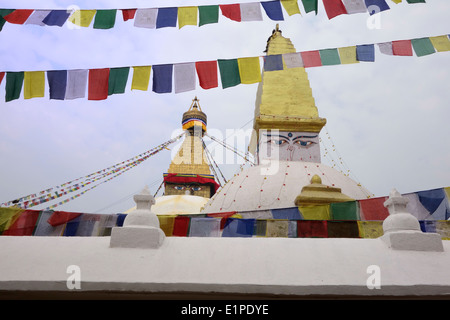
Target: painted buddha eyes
pixel 179 187
pixel 297 141
pixel 194 188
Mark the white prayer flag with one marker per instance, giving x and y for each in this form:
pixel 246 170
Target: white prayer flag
pixel 37 16
pixel 146 18
pixel 184 74
pixel 386 48
pixel 251 11
pixel 354 6
pixel 204 227
pixel 76 84
pixel 293 60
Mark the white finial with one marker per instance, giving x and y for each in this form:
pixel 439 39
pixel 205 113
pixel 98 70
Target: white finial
pixel 396 203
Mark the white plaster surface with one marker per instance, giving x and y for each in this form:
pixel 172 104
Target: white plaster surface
pixel 240 265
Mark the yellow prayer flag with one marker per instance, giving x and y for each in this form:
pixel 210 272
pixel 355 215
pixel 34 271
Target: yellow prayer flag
pixel 441 43
pixel 82 18
pixel 166 223
pixel 187 16
pixel 249 70
pixel 348 55
pixel 34 84
pixel 315 212
pixel 291 7
pixel 141 78
pixel 396 1
pixel 370 229
pixel 8 216
pixel 277 228
pixel 443 228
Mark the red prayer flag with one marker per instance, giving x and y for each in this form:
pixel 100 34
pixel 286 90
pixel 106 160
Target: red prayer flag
pixel 18 16
pixel 2 74
pixel 334 8
pixel 207 74
pixel 181 226
pixel 61 217
pixel 231 11
pixel 223 215
pixel 98 84
pixel 312 229
pixel 373 209
pixel 24 225
pixel 311 59
pixel 402 48
pixel 128 14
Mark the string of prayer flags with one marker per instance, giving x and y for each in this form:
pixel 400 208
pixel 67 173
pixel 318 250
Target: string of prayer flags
pixel 141 78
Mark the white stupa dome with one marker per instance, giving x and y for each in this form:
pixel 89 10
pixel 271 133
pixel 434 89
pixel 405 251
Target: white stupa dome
pixel 276 185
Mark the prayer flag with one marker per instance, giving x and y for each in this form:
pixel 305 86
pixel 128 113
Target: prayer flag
pixel 239 228
pixel 251 11
pixel 162 78
pixel 354 6
pixel 443 228
pixel 2 74
pixel 260 228
pixel 18 16
pixel 310 5
pixel 57 81
pixel 375 6
pixel 291 7
pixel 386 48
pixel 312 229
pixel 329 57
pixel 229 73
pixel 117 80
pixel 72 227
pixel 187 16
pixel 82 18
pixel 231 11
pixel 184 74
pixel 373 209
pixel 166 223
pixel 273 62
pixel 273 10
pixel 4 12
pixel 14 83
pixel 277 228
pixel 37 16
pixel 422 46
pixel 441 43
pixel 181 226
pixel 98 84
pixel 344 210
pixel 105 19
pixel 8 216
pixel 415 1
pixel 34 84
pixel 56 18
pixel 415 207
pixel 249 70
pixel 334 8
pixel 223 216
pixel 402 48
pixel 286 213
pixel 141 78
pixel 348 55
pixel 207 74
pixel 370 229
pixel 128 14
pixel 24 224
pixel 61 217
pixel 146 18
pixel 293 60
pixel 365 52
pixel 167 17
pixel 204 227
pixel 311 59
pixel 431 199
pixel 396 1
pixel 208 14
pixel 343 229
pixel 76 84
pixel 315 212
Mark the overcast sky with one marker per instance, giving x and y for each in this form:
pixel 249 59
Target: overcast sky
pixel 388 119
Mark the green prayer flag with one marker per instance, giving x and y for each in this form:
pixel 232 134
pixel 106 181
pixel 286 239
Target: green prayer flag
pixel 329 57
pixel 344 210
pixel 229 73
pixel 14 83
pixel 105 19
pixel 4 12
pixel 422 46
pixel 415 1
pixel 310 5
pixel 117 80
pixel 208 14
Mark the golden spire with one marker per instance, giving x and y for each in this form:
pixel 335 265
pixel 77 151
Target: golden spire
pixel 284 99
pixel 317 193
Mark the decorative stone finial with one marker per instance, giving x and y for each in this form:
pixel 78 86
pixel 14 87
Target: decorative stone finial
pixel 402 230
pixel 141 226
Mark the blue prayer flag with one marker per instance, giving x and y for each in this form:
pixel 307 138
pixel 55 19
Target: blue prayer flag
pixel 273 10
pixel 56 18
pixel 72 227
pixel 375 6
pixel 432 200
pixel 239 228
pixel 286 213
pixel 162 78
pixel 120 219
pixel 365 52
pixel 57 81
pixel 273 62
pixel 167 17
